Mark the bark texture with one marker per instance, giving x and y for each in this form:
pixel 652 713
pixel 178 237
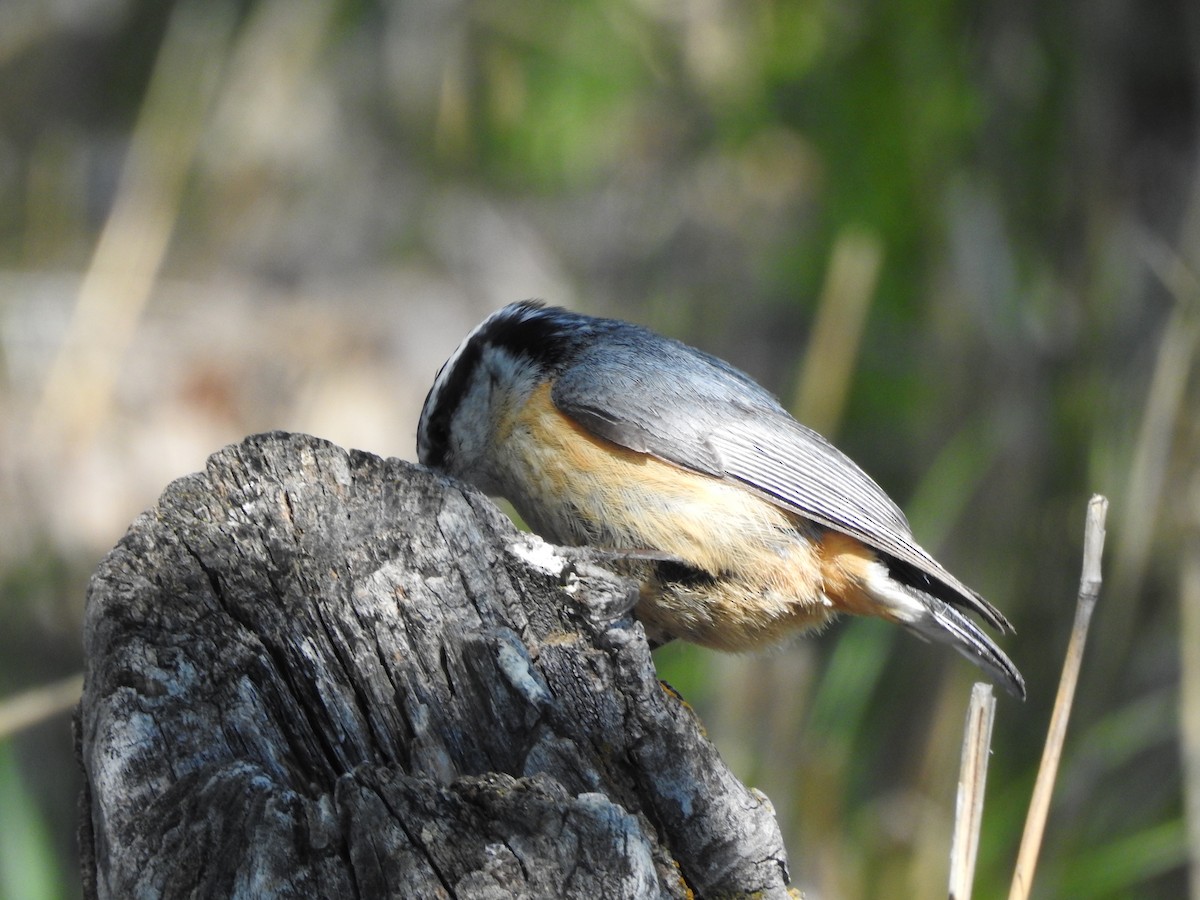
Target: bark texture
pixel 318 673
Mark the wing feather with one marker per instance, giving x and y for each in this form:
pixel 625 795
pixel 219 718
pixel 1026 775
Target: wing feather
pixel 660 397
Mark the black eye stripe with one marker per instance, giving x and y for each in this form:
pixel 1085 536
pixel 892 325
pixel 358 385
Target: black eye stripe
pixel 449 394
pixel 547 336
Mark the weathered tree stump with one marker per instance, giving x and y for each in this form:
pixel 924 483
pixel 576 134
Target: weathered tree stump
pixel 315 673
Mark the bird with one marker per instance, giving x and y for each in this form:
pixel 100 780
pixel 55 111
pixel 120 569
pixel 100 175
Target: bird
pixel 749 528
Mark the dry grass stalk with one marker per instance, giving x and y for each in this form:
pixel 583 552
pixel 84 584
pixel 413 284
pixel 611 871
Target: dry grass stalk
pixel 972 781
pixel 837 330
pixel 134 241
pixel 1189 690
pixel 1039 806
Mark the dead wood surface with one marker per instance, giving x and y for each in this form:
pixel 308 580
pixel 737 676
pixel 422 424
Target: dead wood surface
pixel 318 673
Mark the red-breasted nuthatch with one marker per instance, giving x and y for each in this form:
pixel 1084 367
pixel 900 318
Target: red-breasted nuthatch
pixel 603 433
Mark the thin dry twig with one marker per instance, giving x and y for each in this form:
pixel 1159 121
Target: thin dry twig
pixel 29 708
pixel 1039 805
pixel 972 782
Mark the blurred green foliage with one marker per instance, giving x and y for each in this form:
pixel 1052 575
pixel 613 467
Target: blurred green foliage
pixel 28 868
pixel 1025 170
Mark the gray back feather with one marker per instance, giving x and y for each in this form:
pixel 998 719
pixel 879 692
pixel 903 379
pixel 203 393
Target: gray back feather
pixel 658 396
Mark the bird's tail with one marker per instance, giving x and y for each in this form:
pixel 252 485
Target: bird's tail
pixel 932 618
pixel 946 625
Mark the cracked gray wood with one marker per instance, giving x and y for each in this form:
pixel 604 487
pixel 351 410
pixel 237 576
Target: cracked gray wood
pixel 318 673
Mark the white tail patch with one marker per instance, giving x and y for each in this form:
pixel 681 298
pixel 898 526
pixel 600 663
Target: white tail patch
pixel 898 599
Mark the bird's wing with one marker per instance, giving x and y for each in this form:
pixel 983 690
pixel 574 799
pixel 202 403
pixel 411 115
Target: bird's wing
pixel 663 398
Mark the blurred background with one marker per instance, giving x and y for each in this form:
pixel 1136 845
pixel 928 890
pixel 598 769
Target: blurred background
pixel 962 239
